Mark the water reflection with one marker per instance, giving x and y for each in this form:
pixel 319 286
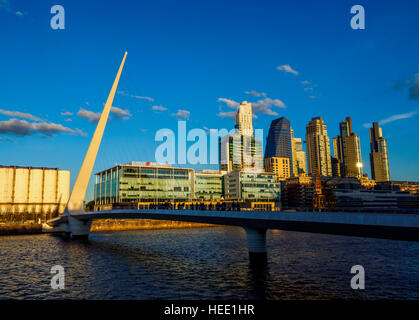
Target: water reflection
pixel 206 263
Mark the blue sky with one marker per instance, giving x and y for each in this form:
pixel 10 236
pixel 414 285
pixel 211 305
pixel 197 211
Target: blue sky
pixel 191 56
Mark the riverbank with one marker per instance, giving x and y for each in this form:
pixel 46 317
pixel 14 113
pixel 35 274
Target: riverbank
pixel 105 226
pixel 142 224
pixel 20 229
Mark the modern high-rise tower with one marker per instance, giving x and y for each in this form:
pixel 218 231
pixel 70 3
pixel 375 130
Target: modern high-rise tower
pixel 300 156
pixel 279 142
pixel 380 170
pixel 241 151
pixel 238 152
pixel 347 150
pixel 244 124
pixel 293 154
pixel 318 147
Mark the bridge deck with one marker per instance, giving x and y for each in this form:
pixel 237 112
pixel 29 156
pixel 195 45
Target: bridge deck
pixel 376 225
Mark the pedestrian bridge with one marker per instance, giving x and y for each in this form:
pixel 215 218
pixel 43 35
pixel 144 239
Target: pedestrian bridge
pixel 394 226
pixel 372 225
pixel 76 223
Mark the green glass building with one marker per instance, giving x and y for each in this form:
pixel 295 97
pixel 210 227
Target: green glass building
pixel 208 185
pixel 143 182
pixel 251 186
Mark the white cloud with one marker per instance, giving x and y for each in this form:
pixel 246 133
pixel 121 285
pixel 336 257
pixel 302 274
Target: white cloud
pixel 24 128
pixel 182 114
pixel 265 106
pixel 230 103
pixel 287 68
pixel 120 113
pixel 19 115
pixel 50 128
pixel 158 108
pixel 256 93
pixel 262 106
pixel 393 118
pixel 90 115
pixel 144 98
pixel 305 82
pixel 93 117
pixel 228 114
pixel 126 94
pixel 66 113
pixel 20 13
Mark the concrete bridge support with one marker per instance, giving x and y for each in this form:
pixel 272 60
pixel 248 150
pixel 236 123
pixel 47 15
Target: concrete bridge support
pixel 256 243
pixel 79 229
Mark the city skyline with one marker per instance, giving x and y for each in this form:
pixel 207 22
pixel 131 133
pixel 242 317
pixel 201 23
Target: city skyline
pixel 209 155
pixel 163 86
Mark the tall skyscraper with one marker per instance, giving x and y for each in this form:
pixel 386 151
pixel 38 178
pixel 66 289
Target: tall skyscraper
pixel 347 150
pixel 335 167
pixel 300 156
pixel 380 170
pixel 244 124
pixel 241 151
pixel 278 142
pixel 293 154
pixel 318 148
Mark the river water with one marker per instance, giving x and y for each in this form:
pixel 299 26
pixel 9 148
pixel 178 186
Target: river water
pixel 206 263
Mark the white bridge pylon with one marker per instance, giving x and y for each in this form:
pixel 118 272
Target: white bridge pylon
pixel 68 222
pixel 76 201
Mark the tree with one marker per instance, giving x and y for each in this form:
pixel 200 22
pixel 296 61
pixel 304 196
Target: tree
pixel 90 206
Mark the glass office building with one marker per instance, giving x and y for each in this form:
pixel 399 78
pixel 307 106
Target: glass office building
pixel 138 183
pixel 250 186
pixel 278 142
pixel 143 182
pixel 240 152
pixel 208 185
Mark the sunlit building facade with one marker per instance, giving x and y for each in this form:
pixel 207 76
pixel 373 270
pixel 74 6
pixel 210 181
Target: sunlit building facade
pixel 33 190
pixel 137 182
pixel 380 170
pixel 250 186
pixel 318 147
pixel 244 124
pixel 336 166
pixel 300 157
pixel 347 150
pixel 208 185
pixel 281 167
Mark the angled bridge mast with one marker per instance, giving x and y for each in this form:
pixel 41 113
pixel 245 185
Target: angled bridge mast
pixel 75 203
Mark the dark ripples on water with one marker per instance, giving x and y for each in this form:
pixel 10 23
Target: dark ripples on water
pixel 206 263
